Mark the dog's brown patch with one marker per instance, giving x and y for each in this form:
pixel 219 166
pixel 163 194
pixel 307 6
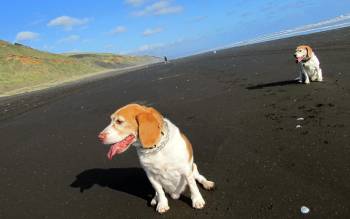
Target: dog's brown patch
pixel 149 129
pixel 129 113
pixel 188 146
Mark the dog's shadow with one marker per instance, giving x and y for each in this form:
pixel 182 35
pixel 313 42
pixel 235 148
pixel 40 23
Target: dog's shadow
pixel 129 180
pixel 273 84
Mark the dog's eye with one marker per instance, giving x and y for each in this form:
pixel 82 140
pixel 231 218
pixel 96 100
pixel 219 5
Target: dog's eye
pixel 118 121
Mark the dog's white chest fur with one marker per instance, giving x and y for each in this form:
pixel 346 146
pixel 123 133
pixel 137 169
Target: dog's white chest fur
pixel 311 65
pixel 168 165
pixel 311 70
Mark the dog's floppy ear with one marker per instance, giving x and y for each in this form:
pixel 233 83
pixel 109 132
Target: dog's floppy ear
pixel 150 127
pixel 309 51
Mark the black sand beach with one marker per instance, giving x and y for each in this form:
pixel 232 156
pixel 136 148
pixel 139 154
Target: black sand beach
pixel 239 107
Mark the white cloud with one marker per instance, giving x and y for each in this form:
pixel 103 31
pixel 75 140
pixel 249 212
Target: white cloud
pixel 119 29
pixel 70 39
pixel 67 22
pixel 150 31
pixel 148 47
pixel 135 2
pixel 26 35
pixel 161 7
pixel 157 49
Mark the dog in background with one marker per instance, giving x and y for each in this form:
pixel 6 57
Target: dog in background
pixel 164 152
pixel 309 64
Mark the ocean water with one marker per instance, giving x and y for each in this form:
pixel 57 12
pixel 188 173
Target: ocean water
pixel 331 24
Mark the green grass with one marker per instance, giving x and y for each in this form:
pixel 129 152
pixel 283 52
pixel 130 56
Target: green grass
pixel 22 67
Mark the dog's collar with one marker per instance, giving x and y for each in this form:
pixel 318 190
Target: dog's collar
pixel 305 60
pixel 161 144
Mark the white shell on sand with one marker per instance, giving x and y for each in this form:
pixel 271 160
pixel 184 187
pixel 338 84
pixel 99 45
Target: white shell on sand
pixel 304 210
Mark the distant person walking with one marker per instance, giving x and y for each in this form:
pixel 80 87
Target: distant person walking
pixel 165 59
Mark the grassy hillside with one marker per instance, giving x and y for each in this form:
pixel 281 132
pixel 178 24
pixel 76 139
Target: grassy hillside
pixel 22 66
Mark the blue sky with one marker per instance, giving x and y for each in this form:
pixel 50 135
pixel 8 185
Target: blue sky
pixel 156 27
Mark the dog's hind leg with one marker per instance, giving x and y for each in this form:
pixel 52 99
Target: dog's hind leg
pixel 197 199
pixel 208 185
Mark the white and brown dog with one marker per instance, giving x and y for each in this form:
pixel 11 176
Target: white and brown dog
pixel 164 152
pixel 309 64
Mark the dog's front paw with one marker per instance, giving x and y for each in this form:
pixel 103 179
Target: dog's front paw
pixel 198 203
pixel 208 185
pixel 162 207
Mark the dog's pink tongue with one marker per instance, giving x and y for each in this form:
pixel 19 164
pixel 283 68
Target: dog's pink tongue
pixel 120 147
pixel 299 59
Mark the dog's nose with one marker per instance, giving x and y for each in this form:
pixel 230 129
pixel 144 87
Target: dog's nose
pixel 295 55
pixel 102 136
